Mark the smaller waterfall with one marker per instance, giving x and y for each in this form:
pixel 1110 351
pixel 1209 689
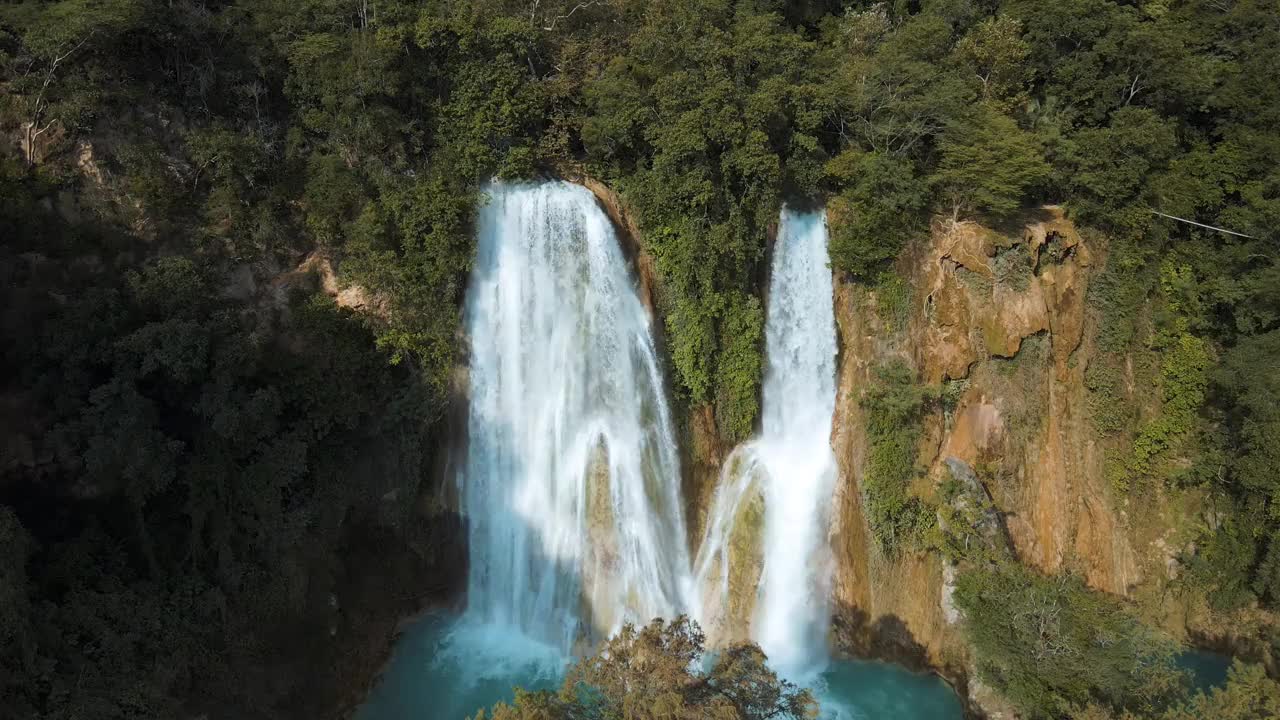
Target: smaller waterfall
pixel 772 507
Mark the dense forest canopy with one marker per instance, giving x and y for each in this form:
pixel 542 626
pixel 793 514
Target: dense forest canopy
pixel 179 459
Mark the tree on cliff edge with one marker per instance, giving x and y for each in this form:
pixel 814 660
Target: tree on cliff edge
pixel 988 164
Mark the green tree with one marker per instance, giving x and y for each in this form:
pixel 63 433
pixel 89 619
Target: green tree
pixel 1107 170
pixel 995 52
pixel 1049 643
pixel 1248 695
pixel 881 206
pixel 58 74
pixel 658 671
pixel 988 164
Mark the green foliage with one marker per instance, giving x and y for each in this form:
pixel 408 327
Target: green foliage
pixel 64 62
pixel 1220 566
pixel 879 208
pixel 1049 643
pixel 1109 407
pixel 17 632
pixel 1184 378
pixel 1249 377
pixel 1249 380
pixel 1013 266
pixel 1119 295
pixel 331 199
pixel 415 243
pixel 739 369
pixel 704 114
pixel 180 467
pixel 659 671
pixel 1247 695
pixel 893 301
pixel 491 109
pixel 968 530
pixel 988 164
pixel 895 406
pixel 1108 168
pixel 242 209
pixel 889 96
pixel 996 52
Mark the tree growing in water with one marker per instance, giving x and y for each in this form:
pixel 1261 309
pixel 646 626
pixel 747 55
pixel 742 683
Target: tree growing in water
pixel 658 672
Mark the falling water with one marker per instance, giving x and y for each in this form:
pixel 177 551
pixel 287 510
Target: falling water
pixel 572 475
pixel 789 469
pixel 571 479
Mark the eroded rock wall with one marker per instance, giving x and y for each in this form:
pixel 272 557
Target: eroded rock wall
pixel 884 606
pixel 998 321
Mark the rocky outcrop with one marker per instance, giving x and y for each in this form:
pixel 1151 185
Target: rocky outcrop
pixel 601 561
pixel 1012 328
pixel 315 268
pixel 1000 323
pixel 884 606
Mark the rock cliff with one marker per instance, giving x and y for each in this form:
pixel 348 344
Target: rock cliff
pixel 999 322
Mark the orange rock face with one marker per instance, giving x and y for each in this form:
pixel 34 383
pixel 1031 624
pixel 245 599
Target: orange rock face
pixel 1001 322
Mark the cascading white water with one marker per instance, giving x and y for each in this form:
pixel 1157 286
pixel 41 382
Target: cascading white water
pixel 795 446
pixel 571 480
pixel 571 483
pixel 790 466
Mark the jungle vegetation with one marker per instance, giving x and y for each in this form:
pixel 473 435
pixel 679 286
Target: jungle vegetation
pixel 178 455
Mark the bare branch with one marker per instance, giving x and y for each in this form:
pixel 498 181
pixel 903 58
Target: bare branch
pixel 576 8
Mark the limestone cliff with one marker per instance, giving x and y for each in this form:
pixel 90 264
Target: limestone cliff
pixel 999 321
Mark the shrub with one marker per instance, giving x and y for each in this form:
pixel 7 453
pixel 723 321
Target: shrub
pixel 895 405
pixel 1049 643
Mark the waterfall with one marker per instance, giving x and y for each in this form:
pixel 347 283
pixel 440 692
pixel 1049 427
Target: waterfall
pixel 571 481
pixel 772 507
pixel 795 446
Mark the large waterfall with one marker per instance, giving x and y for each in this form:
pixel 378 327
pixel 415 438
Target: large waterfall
pixel 572 478
pixel 571 482
pixel 772 507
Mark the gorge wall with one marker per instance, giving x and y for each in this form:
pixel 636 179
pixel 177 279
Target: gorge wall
pixel 1000 323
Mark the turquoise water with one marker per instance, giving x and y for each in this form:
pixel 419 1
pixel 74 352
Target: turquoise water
pixel 857 689
pixel 1208 670
pixel 445 669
